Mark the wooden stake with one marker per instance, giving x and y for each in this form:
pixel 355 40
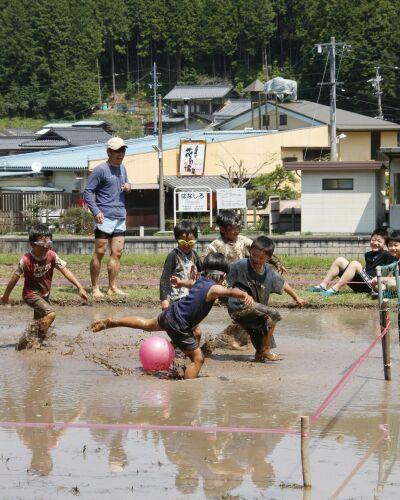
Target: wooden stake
pixel 305 451
pixel 384 317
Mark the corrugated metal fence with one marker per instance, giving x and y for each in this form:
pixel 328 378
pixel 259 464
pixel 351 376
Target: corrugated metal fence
pixel 15 211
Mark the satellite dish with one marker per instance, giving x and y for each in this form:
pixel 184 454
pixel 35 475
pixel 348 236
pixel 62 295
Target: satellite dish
pixel 36 167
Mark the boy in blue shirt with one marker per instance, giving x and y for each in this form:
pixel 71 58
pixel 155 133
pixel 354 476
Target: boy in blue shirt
pixel 182 316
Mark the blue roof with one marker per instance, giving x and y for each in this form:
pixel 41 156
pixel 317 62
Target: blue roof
pixel 77 158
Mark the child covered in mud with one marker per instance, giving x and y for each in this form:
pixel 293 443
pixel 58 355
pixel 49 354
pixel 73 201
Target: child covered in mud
pixel 231 243
pixel 37 268
pixel 184 263
pixel 257 277
pixel 235 247
pixel 179 319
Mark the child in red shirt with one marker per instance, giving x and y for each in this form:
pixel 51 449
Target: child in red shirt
pixel 37 267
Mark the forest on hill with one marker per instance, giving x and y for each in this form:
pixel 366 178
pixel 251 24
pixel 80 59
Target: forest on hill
pixel 57 58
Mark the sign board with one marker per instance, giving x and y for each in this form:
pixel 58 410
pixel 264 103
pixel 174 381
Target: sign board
pixel 192 201
pixel 231 198
pixel 192 156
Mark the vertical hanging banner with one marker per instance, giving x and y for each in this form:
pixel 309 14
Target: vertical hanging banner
pixel 192 155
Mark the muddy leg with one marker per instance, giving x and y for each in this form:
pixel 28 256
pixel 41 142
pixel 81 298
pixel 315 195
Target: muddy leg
pixel 44 325
pixel 197 360
pixel 135 322
pixel 265 350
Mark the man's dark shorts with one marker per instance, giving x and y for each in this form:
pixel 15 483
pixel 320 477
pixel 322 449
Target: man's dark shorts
pixel 40 305
pixel 105 236
pixel 360 282
pixel 184 340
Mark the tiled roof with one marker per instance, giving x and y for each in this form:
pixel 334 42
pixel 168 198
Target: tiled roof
pixel 180 92
pixel 232 108
pixel 345 120
pixel 255 86
pixel 45 143
pixel 334 165
pixel 212 181
pixel 13 142
pixel 80 136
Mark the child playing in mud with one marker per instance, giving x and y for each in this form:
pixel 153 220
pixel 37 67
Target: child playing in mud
pixel 353 274
pixel 37 268
pixel 235 247
pixel 231 243
pixel 184 263
pixel 255 276
pixel 179 319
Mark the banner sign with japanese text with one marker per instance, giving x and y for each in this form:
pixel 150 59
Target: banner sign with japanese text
pixel 192 156
pixel 231 198
pixel 192 201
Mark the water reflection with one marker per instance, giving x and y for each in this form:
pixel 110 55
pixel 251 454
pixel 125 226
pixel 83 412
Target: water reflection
pixel 36 405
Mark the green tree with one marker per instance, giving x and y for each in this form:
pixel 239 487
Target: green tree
pixel 277 183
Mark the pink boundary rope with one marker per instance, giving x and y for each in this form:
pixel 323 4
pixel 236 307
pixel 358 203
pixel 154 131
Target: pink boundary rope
pixel 339 386
pixel 384 435
pixel 208 429
pixel 147 427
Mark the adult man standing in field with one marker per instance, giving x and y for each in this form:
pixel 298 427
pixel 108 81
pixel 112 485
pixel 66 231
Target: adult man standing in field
pixel 105 197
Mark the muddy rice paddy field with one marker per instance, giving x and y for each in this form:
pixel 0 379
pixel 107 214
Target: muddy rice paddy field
pixel 97 378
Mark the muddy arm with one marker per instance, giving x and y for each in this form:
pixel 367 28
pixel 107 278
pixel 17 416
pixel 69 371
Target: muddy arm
pixel 9 288
pixel 289 290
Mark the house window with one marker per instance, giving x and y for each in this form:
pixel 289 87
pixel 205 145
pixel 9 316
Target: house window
pixel 375 145
pixel 398 139
pixel 337 184
pixel 265 120
pixel 282 119
pixel 396 190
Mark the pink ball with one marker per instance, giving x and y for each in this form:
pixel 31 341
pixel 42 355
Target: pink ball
pixel 156 354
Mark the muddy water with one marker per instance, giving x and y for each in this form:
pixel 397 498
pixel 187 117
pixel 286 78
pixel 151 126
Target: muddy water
pixel 60 384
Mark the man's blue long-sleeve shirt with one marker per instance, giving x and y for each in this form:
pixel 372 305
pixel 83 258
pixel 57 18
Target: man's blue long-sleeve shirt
pixel 103 191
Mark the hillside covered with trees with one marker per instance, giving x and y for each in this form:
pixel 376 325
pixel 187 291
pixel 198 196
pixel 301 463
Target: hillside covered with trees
pixel 57 58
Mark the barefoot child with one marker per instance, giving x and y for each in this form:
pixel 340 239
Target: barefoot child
pixel 231 243
pixel 179 319
pixel 353 274
pixel 37 268
pixel 258 278
pixel 184 263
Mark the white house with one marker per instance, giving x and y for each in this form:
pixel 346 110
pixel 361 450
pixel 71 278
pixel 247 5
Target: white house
pixel 341 197
pixel 394 181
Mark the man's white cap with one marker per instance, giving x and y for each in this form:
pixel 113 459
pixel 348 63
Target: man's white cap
pixel 116 143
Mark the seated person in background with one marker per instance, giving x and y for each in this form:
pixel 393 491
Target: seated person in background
pixel 257 277
pixel 353 274
pixel 389 282
pixel 231 243
pixel 184 263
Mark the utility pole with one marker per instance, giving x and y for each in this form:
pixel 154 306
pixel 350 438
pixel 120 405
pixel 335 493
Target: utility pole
pixel 155 86
pixel 98 80
pixel 331 49
pixel 376 83
pixel 161 168
pixel 113 70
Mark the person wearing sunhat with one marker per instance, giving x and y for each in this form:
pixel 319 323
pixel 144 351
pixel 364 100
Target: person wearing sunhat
pixel 105 198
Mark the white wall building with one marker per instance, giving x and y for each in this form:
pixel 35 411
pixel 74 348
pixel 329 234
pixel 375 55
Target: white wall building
pixel 341 197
